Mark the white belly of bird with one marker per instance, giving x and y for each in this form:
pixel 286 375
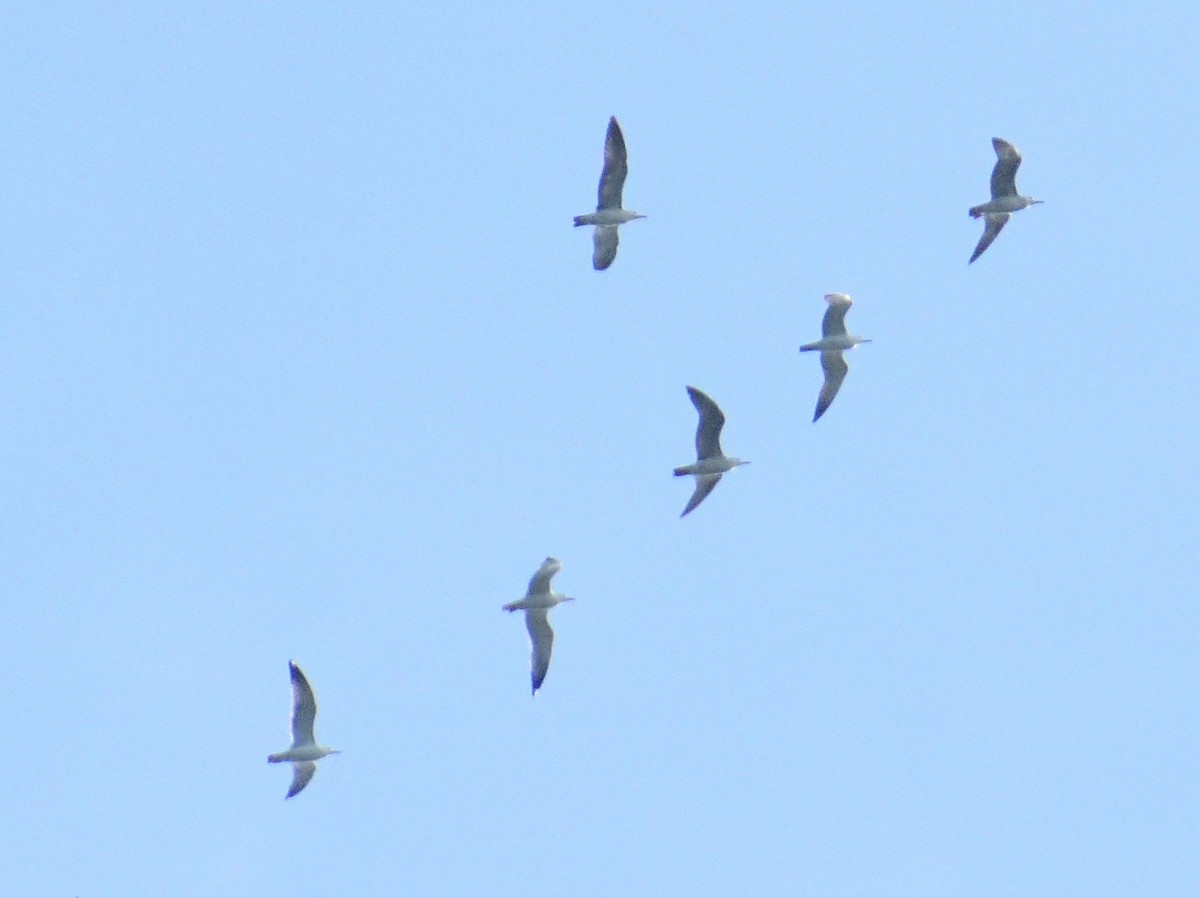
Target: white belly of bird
pixel 607 217
pixel 302 753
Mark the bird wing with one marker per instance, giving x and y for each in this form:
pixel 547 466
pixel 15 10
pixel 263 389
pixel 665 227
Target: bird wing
pixel 1004 175
pixel 541 641
pixel 993 224
pixel 539 583
pixel 835 372
pixel 616 167
pixel 302 772
pixel 705 483
pixel 834 322
pixel 708 430
pixel 604 246
pixel 304 709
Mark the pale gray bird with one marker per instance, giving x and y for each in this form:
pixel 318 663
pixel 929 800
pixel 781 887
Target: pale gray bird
pixel 834 341
pixel 305 751
pixel 1005 199
pixel 539 599
pixel 609 215
pixel 711 462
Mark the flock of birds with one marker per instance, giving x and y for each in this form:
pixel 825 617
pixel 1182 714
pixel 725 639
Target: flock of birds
pixel 711 462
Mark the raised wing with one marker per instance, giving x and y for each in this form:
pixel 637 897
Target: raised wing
pixel 616 167
pixel 993 224
pixel 304 709
pixel 604 246
pixel 835 372
pixel 834 322
pixel 539 583
pixel 302 772
pixel 705 483
pixel 541 641
pixel 1004 175
pixel 708 430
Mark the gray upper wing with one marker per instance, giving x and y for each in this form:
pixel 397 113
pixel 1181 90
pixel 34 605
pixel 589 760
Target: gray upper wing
pixel 302 772
pixel 708 430
pixel 605 240
pixel 993 224
pixel 1004 175
pixel 304 708
pixel 539 583
pixel 616 167
pixel 835 372
pixel 705 484
pixel 541 640
pixel 834 322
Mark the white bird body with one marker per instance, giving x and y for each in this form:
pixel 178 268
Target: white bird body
pixel 834 341
pixel 1006 199
pixel 607 217
pixel 304 752
pixel 710 462
pixel 545 601
pixel 1002 204
pixel 609 214
pixel 540 598
pixel 717 465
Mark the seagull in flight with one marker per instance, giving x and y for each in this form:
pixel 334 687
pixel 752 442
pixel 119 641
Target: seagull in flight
pixel 834 341
pixel 609 215
pixel 305 751
pixel 539 599
pixel 1005 198
pixel 711 462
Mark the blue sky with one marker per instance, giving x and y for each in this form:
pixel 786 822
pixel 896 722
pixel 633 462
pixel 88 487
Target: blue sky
pixel 302 358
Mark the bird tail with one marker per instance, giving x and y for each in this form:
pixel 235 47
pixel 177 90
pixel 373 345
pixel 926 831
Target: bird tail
pixel 579 220
pixel 974 212
pixel 680 472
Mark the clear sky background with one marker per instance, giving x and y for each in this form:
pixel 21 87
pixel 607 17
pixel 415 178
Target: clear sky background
pixel 300 357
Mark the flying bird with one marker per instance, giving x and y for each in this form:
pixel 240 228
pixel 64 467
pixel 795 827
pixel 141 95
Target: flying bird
pixel 1005 198
pixel 609 215
pixel 834 341
pixel 711 462
pixel 539 599
pixel 305 751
